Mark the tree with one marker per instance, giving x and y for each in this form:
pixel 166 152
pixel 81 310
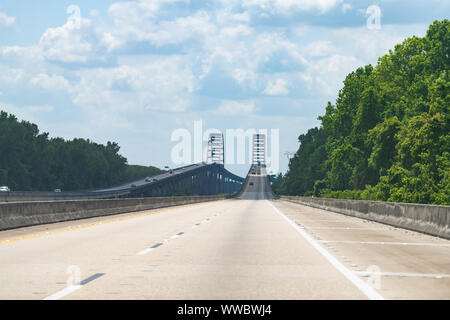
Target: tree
pixel 31 161
pixel 388 135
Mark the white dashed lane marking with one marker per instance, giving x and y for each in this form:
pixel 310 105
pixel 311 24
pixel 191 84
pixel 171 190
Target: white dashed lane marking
pixel 143 252
pixel 370 292
pixel 70 289
pixel 179 234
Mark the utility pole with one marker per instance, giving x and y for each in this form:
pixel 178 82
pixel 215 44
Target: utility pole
pixel 289 154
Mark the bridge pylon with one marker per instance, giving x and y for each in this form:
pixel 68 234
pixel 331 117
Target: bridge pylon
pixel 216 149
pixel 259 149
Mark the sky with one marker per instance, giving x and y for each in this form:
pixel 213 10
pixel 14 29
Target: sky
pixel 134 72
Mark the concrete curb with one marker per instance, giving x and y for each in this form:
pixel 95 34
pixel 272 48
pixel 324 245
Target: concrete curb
pixel 17 215
pixel 430 219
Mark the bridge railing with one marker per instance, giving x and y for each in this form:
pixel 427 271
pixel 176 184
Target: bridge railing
pixel 24 214
pixel 429 219
pixel 173 184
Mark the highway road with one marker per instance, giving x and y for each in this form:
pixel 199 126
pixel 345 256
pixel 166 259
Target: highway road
pixel 248 248
pixel 258 187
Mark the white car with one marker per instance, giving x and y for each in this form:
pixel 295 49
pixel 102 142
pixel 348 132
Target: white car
pixel 4 189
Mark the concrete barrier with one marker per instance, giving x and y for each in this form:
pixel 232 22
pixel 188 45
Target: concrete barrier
pixel 429 219
pixel 17 215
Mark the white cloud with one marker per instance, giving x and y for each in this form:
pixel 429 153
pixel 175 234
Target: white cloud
pixel 238 31
pixel 196 26
pixel 111 42
pixel 94 13
pixel 346 7
pixel 53 82
pixel 277 88
pixel 364 43
pixel 28 112
pixel 226 16
pixel 69 44
pixel 324 77
pixel 287 6
pixel 130 74
pixel 23 54
pixel 6 21
pixel 133 11
pixel 320 49
pixel 11 76
pixel 245 57
pixel 38 109
pixel 235 108
pixel 163 83
pixel 137 21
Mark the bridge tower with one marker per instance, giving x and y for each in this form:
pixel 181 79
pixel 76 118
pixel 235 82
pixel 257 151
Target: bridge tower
pixel 216 149
pixel 259 149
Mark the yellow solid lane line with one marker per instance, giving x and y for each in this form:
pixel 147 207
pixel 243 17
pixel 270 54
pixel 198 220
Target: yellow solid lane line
pixel 68 229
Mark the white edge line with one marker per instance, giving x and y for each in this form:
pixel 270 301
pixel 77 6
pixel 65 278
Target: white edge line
pixel 360 284
pixel 404 274
pixel 66 291
pixel 144 252
pixel 387 243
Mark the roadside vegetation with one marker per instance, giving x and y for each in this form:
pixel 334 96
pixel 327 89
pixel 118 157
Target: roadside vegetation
pixel 387 137
pixel 31 161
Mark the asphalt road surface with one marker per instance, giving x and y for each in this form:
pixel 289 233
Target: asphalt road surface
pixel 251 248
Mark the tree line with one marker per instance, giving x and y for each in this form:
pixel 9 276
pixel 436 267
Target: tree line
pixel 387 137
pixel 31 161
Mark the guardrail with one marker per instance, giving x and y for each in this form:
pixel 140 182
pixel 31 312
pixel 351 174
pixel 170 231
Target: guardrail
pixel 17 215
pixel 429 219
pixel 25 196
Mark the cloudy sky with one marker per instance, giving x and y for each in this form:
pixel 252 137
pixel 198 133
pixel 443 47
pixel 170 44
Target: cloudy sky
pixel 135 71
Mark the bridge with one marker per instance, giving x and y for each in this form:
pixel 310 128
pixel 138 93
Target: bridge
pixel 249 244
pixel 196 179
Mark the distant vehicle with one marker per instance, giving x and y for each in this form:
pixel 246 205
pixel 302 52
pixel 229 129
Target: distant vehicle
pixel 133 185
pixel 5 189
pixel 154 180
pixel 148 179
pixel 251 183
pixel 253 172
pixel 170 171
pixel 57 190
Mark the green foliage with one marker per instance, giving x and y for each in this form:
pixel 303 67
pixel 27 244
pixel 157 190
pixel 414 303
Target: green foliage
pixel 307 163
pixel 388 136
pixel 382 140
pixel 134 172
pixel 30 161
